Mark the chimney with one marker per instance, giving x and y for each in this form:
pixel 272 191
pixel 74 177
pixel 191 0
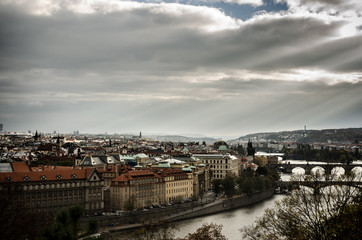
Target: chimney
pixel 116 166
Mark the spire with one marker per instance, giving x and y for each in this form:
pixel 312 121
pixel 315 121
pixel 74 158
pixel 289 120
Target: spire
pixel 36 136
pixel 250 149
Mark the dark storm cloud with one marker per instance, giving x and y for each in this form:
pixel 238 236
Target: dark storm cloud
pixel 176 68
pixel 338 55
pixel 144 41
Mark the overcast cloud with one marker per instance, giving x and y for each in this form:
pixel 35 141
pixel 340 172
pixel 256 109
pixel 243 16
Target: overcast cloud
pixel 181 67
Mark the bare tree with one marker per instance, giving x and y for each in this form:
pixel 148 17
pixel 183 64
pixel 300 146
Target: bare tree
pixel 206 232
pixel 313 211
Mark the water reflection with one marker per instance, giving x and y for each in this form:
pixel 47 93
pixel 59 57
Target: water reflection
pixel 299 172
pixel 232 221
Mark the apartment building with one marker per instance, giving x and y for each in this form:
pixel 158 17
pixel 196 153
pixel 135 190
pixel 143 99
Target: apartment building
pixel 220 164
pixel 178 184
pixel 48 188
pixel 137 187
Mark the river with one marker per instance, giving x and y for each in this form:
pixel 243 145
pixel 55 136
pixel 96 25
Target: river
pixel 234 220
pixel 231 220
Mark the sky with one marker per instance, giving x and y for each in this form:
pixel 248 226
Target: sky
pixel 208 67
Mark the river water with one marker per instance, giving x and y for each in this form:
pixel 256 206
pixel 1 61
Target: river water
pixel 232 221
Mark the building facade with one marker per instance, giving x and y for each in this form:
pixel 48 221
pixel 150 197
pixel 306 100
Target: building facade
pixel 178 185
pixel 220 165
pixel 49 189
pixel 138 189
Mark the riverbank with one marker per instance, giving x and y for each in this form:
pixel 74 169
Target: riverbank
pixel 210 206
pixel 222 205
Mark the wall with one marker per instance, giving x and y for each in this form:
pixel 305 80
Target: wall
pixel 225 205
pixel 178 212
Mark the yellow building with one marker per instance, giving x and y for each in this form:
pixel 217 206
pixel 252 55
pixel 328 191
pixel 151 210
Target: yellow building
pixel 178 185
pixel 140 188
pixel 221 165
pixel 51 188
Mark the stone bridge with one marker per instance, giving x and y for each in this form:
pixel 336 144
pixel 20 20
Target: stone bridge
pixel 288 168
pixel 316 184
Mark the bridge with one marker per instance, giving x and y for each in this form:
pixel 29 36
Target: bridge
pixel 328 167
pixel 318 184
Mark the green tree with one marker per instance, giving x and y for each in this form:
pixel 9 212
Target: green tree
pixel 92 226
pixel 74 213
pixel 217 186
pixel 346 225
pixel 206 232
pixel 228 185
pixel 313 212
pixel 247 185
pixel 65 226
pixel 152 231
pixel 130 204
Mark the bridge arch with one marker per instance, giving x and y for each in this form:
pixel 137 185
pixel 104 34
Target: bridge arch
pixel 357 171
pixel 298 171
pixel 318 170
pixel 328 168
pixel 338 171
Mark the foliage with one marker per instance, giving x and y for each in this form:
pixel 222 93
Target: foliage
pixel 93 238
pixel 17 222
pixel 260 161
pixel 151 232
pixel 161 231
pixel 313 212
pixel 306 153
pixel 251 182
pixel 130 204
pixel 228 185
pixel 271 173
pixel 346 225
pixel 92 226
pixel 65 226
pixel 206 232
pixel 217 186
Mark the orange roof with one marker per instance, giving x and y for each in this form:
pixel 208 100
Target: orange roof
pixel 20 167
pixel 54 175
pixel 172 172
pixel 52 168
pixel 136 174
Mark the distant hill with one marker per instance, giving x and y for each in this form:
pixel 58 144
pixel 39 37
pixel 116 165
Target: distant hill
pixel 177 138
pixel 344 135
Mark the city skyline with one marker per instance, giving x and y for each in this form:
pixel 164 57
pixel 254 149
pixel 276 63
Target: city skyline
pixel 214 68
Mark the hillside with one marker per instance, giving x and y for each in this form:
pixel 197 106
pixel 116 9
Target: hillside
pixel 344 135
pixel 177 138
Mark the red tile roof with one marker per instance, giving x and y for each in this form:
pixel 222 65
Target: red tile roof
pixel 20 167
pixel 48 175
pixel 172 172
pixel 136 174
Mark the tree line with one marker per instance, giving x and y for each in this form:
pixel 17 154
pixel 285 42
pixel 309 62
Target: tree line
pixel 248 182
pixel 324 155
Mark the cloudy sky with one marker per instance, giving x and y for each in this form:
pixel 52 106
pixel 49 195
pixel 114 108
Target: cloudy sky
pixel 211 67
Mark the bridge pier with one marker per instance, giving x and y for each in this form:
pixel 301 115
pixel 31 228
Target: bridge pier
pixel 348 169
pixel 288 168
